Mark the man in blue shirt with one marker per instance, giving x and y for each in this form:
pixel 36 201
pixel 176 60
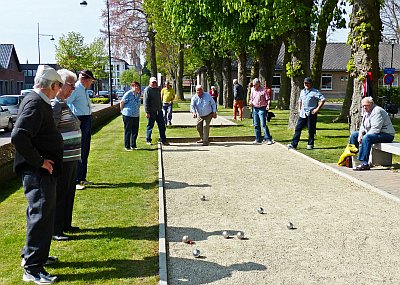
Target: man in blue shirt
pixel 80 104
pixel 203 107
pixel 309 104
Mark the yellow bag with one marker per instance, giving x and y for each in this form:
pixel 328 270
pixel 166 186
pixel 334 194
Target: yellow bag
pixel 350 150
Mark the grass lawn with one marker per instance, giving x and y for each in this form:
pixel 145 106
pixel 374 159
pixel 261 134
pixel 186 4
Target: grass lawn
pixel 118 215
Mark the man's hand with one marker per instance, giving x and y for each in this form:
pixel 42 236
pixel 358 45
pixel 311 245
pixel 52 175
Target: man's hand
pixel 147 115
pixel 314 111
pixel 48 165
pixel 360 136
pixel 214 115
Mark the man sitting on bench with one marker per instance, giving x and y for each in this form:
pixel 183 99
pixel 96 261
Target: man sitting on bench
pixel 376 127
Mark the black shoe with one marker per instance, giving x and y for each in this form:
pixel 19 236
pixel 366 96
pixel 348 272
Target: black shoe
pixel 364 166
pixel 72 229
pixel 50 260
pixel 165 143
pixel 60 238
pixel 41 277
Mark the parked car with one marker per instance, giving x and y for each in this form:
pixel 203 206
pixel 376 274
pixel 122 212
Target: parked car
pixel 25 92
pixel 6 122
pixel 11 103
pixel 90 93
pixel 120 94
pixel 103 94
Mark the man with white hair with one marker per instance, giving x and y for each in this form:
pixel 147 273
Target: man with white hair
pixel 376 127
pixel 203 108
pixel 38 159
pixel 69 126
pixel 154 113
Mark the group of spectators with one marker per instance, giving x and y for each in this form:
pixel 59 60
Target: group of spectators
pixel 53 132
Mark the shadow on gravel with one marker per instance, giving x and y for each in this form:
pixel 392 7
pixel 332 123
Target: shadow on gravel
pixel 180 185
pixel 199 271
pixel 175 234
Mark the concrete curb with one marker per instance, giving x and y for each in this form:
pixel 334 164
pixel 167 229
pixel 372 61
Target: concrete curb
pixel 162 241
pixel 349 177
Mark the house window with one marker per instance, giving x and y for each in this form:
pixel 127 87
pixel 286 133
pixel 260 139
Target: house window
pixel 276 81
pixel 326 82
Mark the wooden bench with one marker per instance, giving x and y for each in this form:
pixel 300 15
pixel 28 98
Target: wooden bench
pixel 381 153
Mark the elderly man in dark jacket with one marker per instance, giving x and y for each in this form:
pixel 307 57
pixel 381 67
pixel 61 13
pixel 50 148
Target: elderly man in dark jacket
pixel 38 159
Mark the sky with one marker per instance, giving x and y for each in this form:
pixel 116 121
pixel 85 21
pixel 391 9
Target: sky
pixel 19 25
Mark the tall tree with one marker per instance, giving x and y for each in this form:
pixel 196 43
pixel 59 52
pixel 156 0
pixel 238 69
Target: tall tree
pixel 390 16
pixel 364 38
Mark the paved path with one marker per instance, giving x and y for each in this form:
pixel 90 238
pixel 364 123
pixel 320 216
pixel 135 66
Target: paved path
pixel 345 233
pixel 186 120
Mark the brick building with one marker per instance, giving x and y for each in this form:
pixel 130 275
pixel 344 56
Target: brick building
pixel 11 75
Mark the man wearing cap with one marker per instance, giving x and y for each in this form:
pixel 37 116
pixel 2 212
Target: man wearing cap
pixel 309 104
pixel 168 96
pixel 38 159
pixel 80 104
pixel 153 108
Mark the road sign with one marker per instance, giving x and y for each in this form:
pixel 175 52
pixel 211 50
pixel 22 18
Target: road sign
pixel 389 70
pixel 388 79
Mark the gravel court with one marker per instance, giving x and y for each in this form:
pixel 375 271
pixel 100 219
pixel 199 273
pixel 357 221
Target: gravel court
pixel 345 234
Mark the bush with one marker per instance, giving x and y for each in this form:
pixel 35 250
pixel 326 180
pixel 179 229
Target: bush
pixel 393 94
pixel 100 100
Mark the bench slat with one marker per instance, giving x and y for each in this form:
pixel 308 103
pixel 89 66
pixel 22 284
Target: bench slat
pixel 388 147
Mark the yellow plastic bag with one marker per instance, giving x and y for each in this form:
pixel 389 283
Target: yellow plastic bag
pixel 350 150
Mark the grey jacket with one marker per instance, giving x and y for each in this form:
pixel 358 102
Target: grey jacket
pixel 379 122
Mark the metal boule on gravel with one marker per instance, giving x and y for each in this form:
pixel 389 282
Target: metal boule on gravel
pixel 203 198
pixel 196 253
pixel 225 234
pixel 260 210
pixel 240 235
pixel 185 239
pixel 290 226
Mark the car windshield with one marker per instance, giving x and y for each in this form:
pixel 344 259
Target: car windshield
pixel 8 101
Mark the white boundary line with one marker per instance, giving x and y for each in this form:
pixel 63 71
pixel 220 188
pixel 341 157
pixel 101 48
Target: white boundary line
pixel 351 178
pixel 162 247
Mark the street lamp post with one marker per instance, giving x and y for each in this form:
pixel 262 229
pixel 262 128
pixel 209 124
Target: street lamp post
pixel 110 79
pixel 391 60
pixel 38 39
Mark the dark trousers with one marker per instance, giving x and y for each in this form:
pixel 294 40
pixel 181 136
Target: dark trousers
pixel 86 129
pixel 40 193
pixel 131 130
pixel 311 123
pixel 65 197
pixel 159 118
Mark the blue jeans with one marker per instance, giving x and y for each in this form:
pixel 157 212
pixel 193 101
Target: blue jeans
pixel 159 118
pixel 40 192
pixel 167 109
pixel 366 144
pixel 260 116
pixel 131 130
pixel 86 129
pixel 311 122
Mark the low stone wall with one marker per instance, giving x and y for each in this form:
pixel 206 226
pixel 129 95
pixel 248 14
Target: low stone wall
pixel 100 118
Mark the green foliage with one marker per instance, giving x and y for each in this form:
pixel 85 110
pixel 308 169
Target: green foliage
pixel 100 100
pixel 393 94
pixel 350 65
pixel 130 75
pixel 73 54
pixel 294 70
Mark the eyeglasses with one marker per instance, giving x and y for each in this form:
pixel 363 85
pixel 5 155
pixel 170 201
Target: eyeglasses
pixel 72 85
pixel 307 83
pixel 60 84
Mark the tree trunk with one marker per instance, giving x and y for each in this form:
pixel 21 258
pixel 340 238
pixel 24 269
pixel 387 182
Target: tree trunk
pixel 364 52
pixel 300 64
pixel 153 62
pixel 284 91
pixel 345 113
pixel 210 72
pixel 179 86
pixel 227 76
pixel 262 51
pixel 242 78
pixel 217 64
pixel 268 55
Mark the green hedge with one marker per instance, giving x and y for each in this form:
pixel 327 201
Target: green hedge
pixel 100 100
pixel 392 94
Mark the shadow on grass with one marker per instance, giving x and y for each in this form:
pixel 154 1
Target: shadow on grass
pixel 130 233
pixel 171 185
pixel 199 271
pixel 144 185
pixel 109 269
pixel 9 187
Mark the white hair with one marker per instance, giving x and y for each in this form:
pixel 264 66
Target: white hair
pixel 199 87
pixel 235 81
pixel 43 83
pixel 65 73
pixel 255 81
pixel 368 100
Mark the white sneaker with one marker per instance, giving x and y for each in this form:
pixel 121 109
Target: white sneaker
pixel 79 187
pixel 39 278
pixel 269 142
pixel 310 147
pixel 256 142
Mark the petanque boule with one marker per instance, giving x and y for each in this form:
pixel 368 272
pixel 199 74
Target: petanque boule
pixel 196 253
pixel 240 235
pixel 225 234
pixel 203 198
pixel 260 210
pixel 290 226
pixel 185 239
